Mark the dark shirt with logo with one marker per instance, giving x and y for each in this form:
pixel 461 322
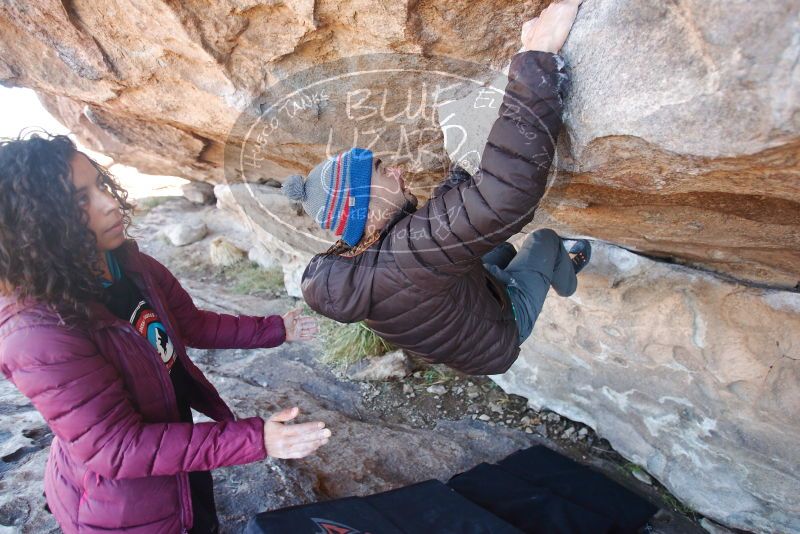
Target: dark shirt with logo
pixel 125 300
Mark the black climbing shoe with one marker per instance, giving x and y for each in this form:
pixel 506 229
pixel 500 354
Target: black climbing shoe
pixel 583 253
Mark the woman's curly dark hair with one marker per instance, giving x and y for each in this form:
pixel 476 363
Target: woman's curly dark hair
pixel 47 251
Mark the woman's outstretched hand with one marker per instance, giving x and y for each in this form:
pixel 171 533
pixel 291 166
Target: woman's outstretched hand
pixel 550 29
pixel 299 327
pixel 293 441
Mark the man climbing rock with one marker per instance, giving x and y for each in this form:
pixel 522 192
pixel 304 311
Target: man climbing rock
pixel 440 281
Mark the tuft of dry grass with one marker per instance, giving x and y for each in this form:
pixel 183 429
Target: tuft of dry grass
pixel 346 344
pixel 250 279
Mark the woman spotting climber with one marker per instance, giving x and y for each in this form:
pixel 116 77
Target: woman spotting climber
pixel 447 287
pixel 94 332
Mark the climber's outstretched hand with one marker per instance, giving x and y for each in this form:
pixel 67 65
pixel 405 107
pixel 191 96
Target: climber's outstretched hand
pixel 550 29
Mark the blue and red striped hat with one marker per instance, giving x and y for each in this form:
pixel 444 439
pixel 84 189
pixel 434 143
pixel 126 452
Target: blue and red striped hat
pixel 336 193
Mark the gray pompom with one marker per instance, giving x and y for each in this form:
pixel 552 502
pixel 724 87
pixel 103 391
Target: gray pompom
pixel 294 188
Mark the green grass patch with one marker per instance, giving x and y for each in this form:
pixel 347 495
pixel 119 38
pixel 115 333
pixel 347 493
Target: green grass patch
pixel 148 203
pixel 438 374
pixel 346 344
pixel 632 468
pixel 250 279
pixel 670 500
pixel 678 506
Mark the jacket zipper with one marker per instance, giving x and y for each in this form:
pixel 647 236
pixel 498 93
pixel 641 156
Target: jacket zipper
pixel 200 381
pixel 185 495
pixel 183 478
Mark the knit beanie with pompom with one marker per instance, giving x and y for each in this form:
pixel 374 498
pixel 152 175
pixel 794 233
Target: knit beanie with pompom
pixel 336 193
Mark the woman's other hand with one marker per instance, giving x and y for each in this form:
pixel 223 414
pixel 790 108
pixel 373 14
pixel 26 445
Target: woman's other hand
pixel 293 441
pixel 548 31
pixel 299 327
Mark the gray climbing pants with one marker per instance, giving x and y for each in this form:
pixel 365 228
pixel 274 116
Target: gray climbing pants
pixel 541 262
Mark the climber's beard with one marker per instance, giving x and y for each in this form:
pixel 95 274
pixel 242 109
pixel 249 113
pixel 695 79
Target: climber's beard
pixel 408 208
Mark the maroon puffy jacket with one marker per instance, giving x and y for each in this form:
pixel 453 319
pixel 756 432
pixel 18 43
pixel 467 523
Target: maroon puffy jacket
pixel 119 458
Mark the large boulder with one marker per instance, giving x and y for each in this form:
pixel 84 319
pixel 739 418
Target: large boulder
pixel 682 124
pixel 682 134
pixel 159 85
pixel 681 142
pixel 693 378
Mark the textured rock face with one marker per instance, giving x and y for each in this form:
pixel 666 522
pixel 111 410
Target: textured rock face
pixel 24 440
pixel 682 125
pixel 161 86
pixel 693 378
pixel 681 141
pixel 682 134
